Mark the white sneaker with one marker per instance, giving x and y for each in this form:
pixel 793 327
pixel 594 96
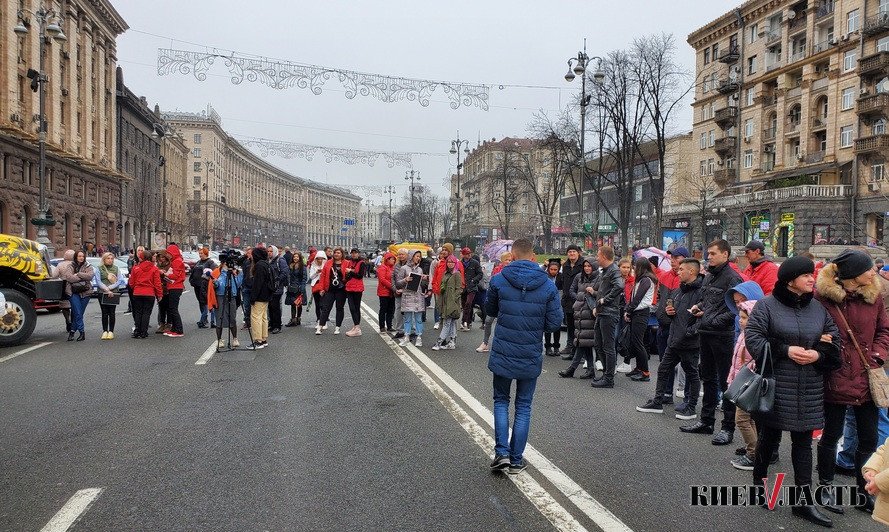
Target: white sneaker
pixel 336 330
pixel 623 367
pixel 680 394
pixel 585 365
pixel 436 326
pixel 403 342
pixel 419 342
pixel 220 344
pixel 318 329
pixel 438 346
pixel 450 346
pixel 483 348
pixel 599 366
pixel 104 335
pixel 354 331
pixel 235 342
pixel 324 328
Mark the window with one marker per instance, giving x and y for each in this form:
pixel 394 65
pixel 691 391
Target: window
pixel 752 32
pixel 748 97
pixel 748 159
pixel 712 138
pixel 852 21
pixel 703 141
pixel 715 52
pixel 637 193
pixel 197 180
pixel 879 127
pixel 848 98
pixel 849 60
pixel 845 136
pixel 877 172
pixel 883 44
pixel 703 168
pixel 197 138
pixel 197 166
pixel 706 56
pixel 751 65
pixel 196 152
pixel 711 165
pixel 884 7
pixel 706 85
pixel 748 128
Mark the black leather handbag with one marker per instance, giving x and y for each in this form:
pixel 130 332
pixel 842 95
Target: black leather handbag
pixel 752 391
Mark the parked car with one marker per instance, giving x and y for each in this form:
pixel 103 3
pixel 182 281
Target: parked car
pixel 26 286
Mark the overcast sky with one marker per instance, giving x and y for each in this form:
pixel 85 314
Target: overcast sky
pixel 516 42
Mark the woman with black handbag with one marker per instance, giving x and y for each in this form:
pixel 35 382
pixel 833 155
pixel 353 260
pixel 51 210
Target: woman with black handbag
pixel 850 291
pixel 296 289
pixel 110 281
pixel 79 287
pixel 789 327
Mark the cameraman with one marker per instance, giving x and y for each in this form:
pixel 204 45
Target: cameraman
pixel 198 281
pixel 228 281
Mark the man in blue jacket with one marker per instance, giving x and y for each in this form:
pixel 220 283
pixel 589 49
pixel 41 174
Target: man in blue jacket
pixel 526 303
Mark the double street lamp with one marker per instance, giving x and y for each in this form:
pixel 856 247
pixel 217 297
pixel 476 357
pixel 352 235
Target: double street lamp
pixel 455 150
pixel 577 66
pixel 415 224
pixel 48 28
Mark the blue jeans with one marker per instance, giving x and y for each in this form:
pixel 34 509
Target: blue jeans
pixel 78 309
pixel 514 447
pixel 846 455
pixel 413 321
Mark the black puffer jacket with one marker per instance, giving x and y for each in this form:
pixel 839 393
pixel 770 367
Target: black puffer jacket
pixel 584 323
pixel 568 274
pixel 262 277
pixel 683 325
pixel 717 320
pixel 781 320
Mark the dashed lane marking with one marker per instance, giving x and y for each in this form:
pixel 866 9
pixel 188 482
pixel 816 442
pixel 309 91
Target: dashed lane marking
pixel 592 508
pixel 560 518
pixel 208 354
pixel 73 509
pixel 23 351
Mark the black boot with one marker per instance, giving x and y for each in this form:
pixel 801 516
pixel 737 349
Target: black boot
pixel 590 373
pixel 82 337
pixel 827 498
pixel 812 515
pixel 568 372
pixel 603 382
pixel 70 335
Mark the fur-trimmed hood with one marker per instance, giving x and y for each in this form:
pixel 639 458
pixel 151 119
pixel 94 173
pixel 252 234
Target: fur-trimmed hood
pixel 828 287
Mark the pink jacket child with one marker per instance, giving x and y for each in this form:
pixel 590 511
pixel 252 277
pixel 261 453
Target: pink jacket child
pixel 741 357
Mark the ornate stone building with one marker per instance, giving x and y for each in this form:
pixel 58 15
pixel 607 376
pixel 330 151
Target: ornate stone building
pixel 174 217
pixel 83 184
pixel 790 120
pixel 236 198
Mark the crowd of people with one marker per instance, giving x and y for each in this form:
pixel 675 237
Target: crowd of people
pixel 814 328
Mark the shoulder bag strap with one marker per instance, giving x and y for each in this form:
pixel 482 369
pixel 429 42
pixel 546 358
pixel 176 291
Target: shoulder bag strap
pixel 854 340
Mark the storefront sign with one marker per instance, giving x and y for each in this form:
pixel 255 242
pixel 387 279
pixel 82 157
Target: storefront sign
pixel 788 217
pixel 684 223
pixel 607 228
pixel 712 222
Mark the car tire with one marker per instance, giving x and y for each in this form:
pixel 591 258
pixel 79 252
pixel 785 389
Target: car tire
pixel 20 319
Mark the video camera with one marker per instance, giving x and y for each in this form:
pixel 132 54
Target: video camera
pixel 232 258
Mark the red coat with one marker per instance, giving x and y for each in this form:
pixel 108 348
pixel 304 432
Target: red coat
pixel 439 273
pixel 765 274
pixel 324 281
pixel 354 282
pixel 669 279
pixel 176 279
pixel 384 277
pixel 867 317
pixel 629 283
pixel 145 280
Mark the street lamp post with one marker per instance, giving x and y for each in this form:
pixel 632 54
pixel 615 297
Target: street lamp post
pixel 367 223
pixel 47 27
pixel 415 225
pixel 455 150
pixel 580 64
pixel 210 167
pixel 390 190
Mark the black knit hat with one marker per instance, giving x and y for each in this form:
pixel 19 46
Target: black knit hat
pixel 851 263
pixel 793 267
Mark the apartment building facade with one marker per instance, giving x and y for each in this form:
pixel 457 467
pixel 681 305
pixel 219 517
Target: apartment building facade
pixel 789 119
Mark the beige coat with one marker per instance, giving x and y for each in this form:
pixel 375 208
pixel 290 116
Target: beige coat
pixel 879 463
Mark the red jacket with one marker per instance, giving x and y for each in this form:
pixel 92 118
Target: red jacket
pixel 324 282
pixel 669 279
pixel 145 280
pixel 355 280
pixel 384 277
pixel 629 283
pixel 742 274
pixel 866 315
pixel 765 274
pixel 439 273
pixel 176 280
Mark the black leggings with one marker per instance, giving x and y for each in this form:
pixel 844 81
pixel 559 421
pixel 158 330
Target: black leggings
pixel 318 302
pixel 800 453
pixel 866 421
pixel 296 311
pixel 355 306
pixel 332 297
pixel 387 312
pixel 142 306
pixel 108 317
pixel 173 316
pixel 638 325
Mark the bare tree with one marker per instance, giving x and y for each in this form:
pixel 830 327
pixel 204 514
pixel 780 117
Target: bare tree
pixel 697 189
pixel 422 220
pixel 507 188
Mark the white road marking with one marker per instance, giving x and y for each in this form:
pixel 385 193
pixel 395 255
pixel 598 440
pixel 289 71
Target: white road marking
pixel 533 491
pixel 208 354
pixel 23 351
pixel 592 508
pixel 72 510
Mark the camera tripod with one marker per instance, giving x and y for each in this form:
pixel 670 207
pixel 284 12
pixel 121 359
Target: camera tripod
pixel 227 299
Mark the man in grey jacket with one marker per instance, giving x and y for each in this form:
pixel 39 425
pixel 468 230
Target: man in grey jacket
pixel 399 317
pixel 609 294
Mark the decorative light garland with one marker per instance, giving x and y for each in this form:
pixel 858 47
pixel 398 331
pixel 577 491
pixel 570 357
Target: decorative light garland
pixel 285 74
pixel 294 150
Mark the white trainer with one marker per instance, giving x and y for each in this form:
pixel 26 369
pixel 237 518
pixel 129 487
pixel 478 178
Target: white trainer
pixel 336 330
pixel 623 367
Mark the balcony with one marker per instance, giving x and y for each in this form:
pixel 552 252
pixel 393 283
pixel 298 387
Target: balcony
pixel 819 122
pixel 725 145
pixel 768 100
pixel 728 86
pixel 773 36
pixel 820 83
pixel 726 117
pixel 797 23
pixel 791 128
pixel 872 144
pixel 725 176
pixel 874 64
pixel 814 157
pixel 873 105
pixel 817 48
pixel 876 24
pixel 774 66
pixel 769 133
pixel 795 92
pixel 763 197
pixel 824 10
pixel 730 56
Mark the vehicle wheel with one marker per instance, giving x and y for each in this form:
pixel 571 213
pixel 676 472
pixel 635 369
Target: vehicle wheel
pixel 19 321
